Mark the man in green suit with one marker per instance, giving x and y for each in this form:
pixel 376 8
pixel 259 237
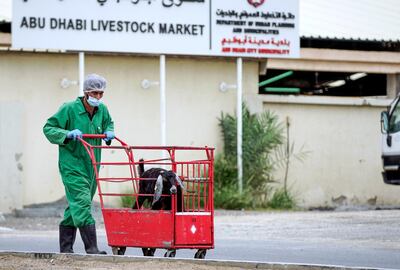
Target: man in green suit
pixel 85 115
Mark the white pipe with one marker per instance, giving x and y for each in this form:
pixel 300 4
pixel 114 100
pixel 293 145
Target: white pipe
pixel 239 70
pixel 81 72
pixel 163 111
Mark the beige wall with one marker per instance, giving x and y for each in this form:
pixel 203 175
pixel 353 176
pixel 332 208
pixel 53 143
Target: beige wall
pixel 344 165
pixel 341 134
pixel 193 105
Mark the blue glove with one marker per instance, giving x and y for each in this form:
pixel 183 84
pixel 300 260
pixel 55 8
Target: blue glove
pixel 109 136
pixel 74 134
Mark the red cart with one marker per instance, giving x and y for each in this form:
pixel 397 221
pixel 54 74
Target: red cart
pixel 190 228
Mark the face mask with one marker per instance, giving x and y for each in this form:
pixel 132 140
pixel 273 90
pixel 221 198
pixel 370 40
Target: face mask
pixel 94 102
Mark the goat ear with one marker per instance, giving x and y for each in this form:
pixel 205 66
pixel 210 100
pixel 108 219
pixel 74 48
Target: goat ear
pixel 158 189
pixel 179 181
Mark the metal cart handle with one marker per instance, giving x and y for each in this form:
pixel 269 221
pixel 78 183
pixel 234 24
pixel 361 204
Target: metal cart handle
pixel 101 136
pixel 93 136
pixel 96 136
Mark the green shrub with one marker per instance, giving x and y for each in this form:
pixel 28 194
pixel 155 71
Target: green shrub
pixel 228 197
pixel 282 199
pixel 127 201
pixel 262 134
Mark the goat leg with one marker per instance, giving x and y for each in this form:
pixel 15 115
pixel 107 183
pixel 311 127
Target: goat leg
pixel 139 202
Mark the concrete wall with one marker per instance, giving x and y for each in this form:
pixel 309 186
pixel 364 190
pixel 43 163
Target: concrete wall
pixel 33 80
pixel 343 140
pixel 342 135
pixel 11 154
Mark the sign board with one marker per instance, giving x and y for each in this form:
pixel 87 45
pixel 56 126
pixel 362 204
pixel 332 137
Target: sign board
pixel 234 28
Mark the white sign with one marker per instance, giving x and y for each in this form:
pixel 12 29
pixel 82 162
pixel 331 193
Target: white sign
pixel 234 28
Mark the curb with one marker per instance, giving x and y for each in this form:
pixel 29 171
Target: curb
pixel 79 261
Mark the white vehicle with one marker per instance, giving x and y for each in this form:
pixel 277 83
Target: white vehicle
pixel 390 127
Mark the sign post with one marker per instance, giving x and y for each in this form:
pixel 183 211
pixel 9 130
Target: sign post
pixel 239 86
pixel 163 102
pixel 81 72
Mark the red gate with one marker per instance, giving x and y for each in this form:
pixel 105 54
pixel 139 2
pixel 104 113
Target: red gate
pixel 191 227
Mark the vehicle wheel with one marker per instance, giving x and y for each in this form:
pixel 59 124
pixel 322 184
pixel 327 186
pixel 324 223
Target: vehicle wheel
pixel 170 253
pixel 118 250
pixel 200 254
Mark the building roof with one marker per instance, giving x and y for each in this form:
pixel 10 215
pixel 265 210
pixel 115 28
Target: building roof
pixel 330 19
pixel 5 10
pixel 350 20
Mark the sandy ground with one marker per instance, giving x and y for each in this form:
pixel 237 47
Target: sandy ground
pixel 10 262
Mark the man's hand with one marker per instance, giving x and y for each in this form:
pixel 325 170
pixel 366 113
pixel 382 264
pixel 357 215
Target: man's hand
pixel 74 134
pixel 109 136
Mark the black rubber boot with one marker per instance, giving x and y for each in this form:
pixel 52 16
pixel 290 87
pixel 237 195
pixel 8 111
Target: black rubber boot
pixel 67 238
pixel 88 234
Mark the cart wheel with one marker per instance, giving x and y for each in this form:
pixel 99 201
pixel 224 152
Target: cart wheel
pixel 148 251
pixel 200 254
pixel 118 250
pixel 170 253
pixel 151 251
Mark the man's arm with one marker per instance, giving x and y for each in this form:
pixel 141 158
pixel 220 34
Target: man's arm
pixel 55 127
pixel 108 123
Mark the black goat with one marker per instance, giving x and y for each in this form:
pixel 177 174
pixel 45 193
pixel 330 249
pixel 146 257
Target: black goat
pixel 162 182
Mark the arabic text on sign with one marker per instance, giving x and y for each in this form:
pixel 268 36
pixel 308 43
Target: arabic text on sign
pixel 165 3
pixel 265 15
pixel 255 41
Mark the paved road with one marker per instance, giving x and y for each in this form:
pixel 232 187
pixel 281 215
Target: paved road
pixel 363 238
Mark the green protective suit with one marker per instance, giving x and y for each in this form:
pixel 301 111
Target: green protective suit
pixel 74 163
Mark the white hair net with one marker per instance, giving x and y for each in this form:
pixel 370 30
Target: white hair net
pixel 94 82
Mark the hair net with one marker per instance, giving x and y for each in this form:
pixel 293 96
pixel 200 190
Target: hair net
pixel 94 82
